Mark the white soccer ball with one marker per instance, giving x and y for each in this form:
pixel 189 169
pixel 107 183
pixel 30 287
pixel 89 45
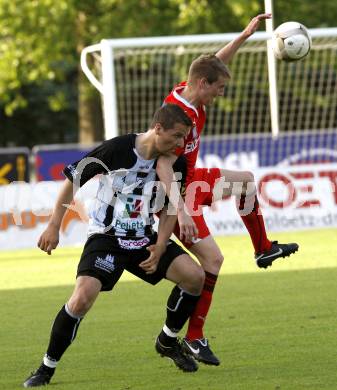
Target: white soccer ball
pixel 291 41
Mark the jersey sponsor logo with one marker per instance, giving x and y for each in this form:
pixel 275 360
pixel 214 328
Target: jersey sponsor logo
pixel 129 225
pixel 133 208
pixel 133 244
pixel 190 146
pixel 105 264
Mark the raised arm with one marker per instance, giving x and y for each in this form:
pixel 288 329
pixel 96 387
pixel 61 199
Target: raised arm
pixel 226 53
pixel 49 239
pixel 165 172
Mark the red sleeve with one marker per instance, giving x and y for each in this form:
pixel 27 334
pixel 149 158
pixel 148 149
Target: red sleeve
pixel 179 151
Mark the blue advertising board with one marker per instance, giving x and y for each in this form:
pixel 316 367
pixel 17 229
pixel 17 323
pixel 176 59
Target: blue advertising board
pixel 232 152
pixel 264 151
pixel 51 160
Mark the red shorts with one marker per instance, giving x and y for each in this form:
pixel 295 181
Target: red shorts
pixel 199 192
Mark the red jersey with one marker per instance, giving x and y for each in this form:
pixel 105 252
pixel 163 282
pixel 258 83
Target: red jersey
pixel 198 116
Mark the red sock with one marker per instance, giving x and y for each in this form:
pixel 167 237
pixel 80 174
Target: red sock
pixel 252 217
pixel 198 317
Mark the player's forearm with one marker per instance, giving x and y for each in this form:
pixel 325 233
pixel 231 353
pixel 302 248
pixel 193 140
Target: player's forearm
pixel 227 52
pixel 64 198
pixel 165 227
pixel 167 177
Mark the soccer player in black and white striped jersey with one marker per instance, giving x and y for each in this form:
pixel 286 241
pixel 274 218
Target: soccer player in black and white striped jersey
pixel 121 236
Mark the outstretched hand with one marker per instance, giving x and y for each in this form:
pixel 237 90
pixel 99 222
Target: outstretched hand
pixel 151 263
pixel 49 239
pixel 254 24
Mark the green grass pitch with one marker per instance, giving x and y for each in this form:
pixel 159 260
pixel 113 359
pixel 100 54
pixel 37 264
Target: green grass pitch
pixel 272 329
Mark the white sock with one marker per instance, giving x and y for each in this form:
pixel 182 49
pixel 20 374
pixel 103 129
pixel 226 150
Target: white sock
pixel 47 361
pixel 169 332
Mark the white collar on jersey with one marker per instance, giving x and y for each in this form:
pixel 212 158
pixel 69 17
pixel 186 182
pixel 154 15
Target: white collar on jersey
pixel 181 99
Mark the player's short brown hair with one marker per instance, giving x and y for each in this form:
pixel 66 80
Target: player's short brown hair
pixel 208 66
pixel 170 114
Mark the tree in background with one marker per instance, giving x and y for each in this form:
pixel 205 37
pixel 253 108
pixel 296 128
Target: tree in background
pixel 43 91
pixel 38 67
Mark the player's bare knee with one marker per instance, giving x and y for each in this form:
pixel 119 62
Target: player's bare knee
pixel 79 305
pixel 250 177
pixel 212 263
pixel 85 293
pixel 80 302
pixel 249 186
pixel 215 264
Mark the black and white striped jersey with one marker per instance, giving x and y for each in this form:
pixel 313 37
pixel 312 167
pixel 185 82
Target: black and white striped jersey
pixel 128 192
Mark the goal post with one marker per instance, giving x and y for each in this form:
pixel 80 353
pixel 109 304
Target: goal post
pixel 272 76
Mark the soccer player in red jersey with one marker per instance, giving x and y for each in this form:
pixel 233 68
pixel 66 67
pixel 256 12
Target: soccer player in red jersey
pixel 206 81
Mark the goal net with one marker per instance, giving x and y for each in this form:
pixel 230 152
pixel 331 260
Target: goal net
pixel 135 75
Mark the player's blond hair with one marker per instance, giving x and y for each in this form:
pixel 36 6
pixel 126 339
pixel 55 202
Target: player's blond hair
pixel 208 66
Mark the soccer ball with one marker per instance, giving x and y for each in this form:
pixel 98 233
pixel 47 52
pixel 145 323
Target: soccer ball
pixel 291 41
